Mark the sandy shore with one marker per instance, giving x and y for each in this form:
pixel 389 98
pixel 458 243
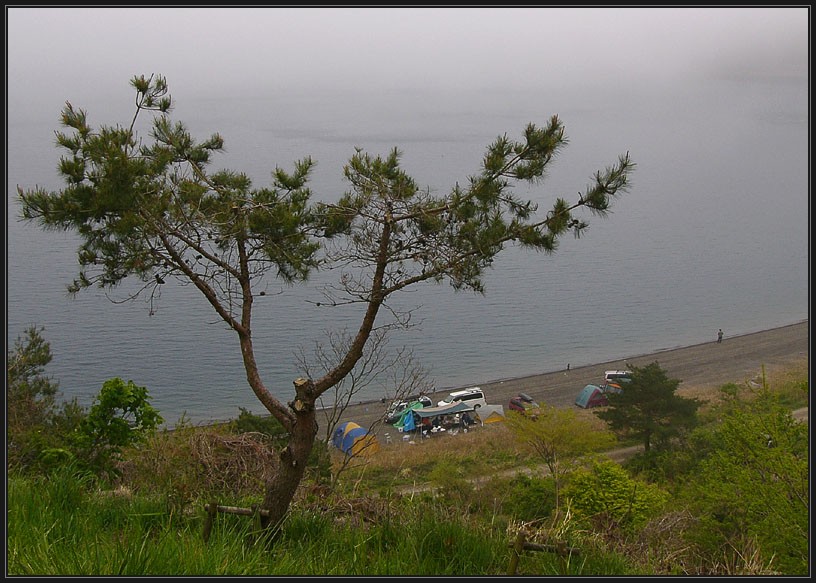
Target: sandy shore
pixel 700 368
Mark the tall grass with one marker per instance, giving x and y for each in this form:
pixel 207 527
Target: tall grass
pixel 62 526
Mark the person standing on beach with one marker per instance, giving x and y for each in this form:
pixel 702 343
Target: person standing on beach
pixel 719 336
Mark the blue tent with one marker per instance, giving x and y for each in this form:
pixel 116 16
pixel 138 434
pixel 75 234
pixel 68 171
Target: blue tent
pixel 352 439
pixel 406 418
pixel 412 417
pixel 591 396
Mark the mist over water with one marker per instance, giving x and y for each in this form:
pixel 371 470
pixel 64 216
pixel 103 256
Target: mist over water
pixel 714 233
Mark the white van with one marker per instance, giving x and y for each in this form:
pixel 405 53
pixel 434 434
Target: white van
pixel 472 396
pixel 617 376
pixel 614 380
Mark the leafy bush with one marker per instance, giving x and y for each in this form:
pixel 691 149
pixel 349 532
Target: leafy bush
pixel 529 498
pixel 29 393
pixel 606 493
pixel 121 416
pixel 751 491
pixel 250 423
pixel 667 465
pixel 450 481
pixel 30 398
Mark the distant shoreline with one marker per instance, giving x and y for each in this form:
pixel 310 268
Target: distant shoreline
pixel 698 366
pixel 653 353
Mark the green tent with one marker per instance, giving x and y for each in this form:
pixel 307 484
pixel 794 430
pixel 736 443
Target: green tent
pixel 407 416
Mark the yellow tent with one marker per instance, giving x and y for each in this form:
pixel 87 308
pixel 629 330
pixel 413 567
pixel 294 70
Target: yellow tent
pixel 353 440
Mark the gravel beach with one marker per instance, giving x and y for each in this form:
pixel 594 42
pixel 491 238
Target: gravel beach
pixel 700 368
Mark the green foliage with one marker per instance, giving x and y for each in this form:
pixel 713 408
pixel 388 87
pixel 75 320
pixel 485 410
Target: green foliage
pixel 121 416
pixel 607 494
pixel 453 546
pixel 753 487
pixel 247 422
pixel 455 237
pixel 54 457
pixel 29 393
pixel 149 206
pixel 38 429
pixel 450 481
pixel 67 486
pixel 558 437
pixel 90 534
pixel 67 419
pixel 58 523
pixel 649 408
pixel 529 498
pixel 673 463
pixel 667 465
pixel 124 194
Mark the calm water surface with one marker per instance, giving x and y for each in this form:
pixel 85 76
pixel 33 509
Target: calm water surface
pixel 713 234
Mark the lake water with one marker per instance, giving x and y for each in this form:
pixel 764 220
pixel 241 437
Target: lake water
pixel 714 233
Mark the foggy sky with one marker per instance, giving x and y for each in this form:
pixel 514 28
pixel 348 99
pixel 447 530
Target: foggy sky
pixel 58 54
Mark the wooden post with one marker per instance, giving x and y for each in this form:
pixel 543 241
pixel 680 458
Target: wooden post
pixel 256 518
pixel 560 548
pixel 561 551
pixel 518 546
pixel 212 509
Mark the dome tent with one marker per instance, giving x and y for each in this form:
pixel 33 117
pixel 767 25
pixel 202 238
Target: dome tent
pixel 352 439
pixel 591 396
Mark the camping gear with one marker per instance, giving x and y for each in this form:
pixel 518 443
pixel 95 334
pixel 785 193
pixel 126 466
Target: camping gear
pixel 397 408
pixel 405 421
pixel 490 414
pixel 450 409
pixel 591 396
pixel 524 404
pixel 352 439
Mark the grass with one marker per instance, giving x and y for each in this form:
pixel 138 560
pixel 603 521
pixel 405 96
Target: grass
pixel 483 451
pixel 382 518
pixel 97 535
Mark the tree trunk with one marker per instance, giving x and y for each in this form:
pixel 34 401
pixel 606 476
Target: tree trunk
pixel 281 487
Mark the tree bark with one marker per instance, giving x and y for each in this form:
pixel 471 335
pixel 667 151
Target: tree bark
pixel 281 487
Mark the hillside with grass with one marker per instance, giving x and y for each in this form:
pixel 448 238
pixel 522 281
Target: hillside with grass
pixel 483 502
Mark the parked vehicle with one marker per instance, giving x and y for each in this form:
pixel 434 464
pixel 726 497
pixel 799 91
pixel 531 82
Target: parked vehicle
pixel 617 377
pixel 525 404
pixel 616 387
pixel 472 396
pixel 614 380
pixel 397 408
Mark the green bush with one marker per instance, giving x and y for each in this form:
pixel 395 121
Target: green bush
pixel 606 493
pixel 665 466
pixel 529 498
pixel 752 491
pixel 30 403
pixel 450 481
pixel 247 422
pixel 121 416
